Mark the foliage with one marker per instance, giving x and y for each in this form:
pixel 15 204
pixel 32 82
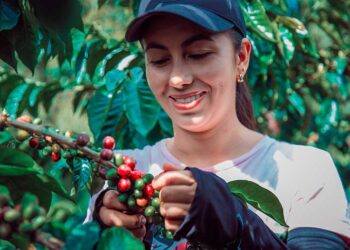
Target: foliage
pixel 299 77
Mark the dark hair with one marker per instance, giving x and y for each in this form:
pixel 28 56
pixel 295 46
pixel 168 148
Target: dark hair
pixel 244 104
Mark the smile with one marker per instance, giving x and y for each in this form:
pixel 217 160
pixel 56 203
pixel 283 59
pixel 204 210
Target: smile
pixel 187 101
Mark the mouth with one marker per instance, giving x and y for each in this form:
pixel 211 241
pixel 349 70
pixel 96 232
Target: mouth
pixel 187 101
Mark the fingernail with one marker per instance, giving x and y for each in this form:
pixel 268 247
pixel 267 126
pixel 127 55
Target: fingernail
pixel 142 220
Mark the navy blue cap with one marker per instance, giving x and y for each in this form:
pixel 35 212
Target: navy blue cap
pixel 212 15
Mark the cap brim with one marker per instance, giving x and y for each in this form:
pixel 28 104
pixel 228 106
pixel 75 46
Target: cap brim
pixel 199 16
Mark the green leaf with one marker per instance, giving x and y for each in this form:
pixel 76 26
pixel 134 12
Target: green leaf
pixel 15 157
pixel 101 2
pixel 287 43
pixel 260 198
pixel 6 245
pixel 28 199
pixel 5 136
pixel 113 79
pixel 83 237
pixel 140 106
pixel 81 173
pixel 9 170
pixel 55 186
pixel 9 14
pixel 33 97
pixel 104 113
pixel 14 99
pixel 297 102
pixel 4 190
pixel 328 115
pixel 256 19
pixel 117 236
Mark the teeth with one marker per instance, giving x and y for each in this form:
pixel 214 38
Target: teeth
pixel 188 99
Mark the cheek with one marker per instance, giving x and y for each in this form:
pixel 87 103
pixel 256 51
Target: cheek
pixel 155 82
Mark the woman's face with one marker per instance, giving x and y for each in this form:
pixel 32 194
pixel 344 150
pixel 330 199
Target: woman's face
pixel 191 73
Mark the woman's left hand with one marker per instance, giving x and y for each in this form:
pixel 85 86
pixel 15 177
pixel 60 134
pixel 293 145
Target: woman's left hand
pixel 177 190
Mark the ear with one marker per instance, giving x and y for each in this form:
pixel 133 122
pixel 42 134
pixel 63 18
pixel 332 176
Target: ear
pixel 243 56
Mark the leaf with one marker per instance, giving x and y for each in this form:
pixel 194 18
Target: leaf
pixel 81 173
pixel 287 43
pixel 5 136
pixel 117 236
pixel 6 245
pixel 83 237
pixel 33 97
pixel 113 79
pixel 14 99
pixel 104 114
pixel 101 2
pixel 140 106
pixel 9 14
pixel 55 186
pixel 15 157
pixel 9 170
pixel 297 102
pixel 260 198
pixel 255 15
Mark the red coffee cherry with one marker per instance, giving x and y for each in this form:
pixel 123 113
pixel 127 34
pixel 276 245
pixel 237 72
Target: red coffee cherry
pixel 55 156
pixel 25 118
pixel 148 191
pixel 109 142
pixel 135 175
pixel 106 154
pixel 83 140
pixel 34 142
pixel 124 170
pixel 129 161
pixel 124 184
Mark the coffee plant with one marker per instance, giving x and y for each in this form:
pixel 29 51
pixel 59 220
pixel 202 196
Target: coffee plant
pixel 299 79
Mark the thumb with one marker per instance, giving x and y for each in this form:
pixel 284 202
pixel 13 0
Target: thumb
pixel 169 167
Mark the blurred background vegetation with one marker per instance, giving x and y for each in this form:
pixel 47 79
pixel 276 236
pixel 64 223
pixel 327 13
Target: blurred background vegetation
pixel 67 63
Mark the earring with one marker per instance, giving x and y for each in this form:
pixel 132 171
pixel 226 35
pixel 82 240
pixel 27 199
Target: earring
pixel 240 79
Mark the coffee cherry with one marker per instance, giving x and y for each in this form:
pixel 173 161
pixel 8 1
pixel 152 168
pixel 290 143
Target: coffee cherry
pixel 131 202
pixel 168 235
pixel 129 161
pixel 56 148
pixel 22 135
pixel 135 175
pixel 155 202
pixel 138 193
pixel 148 178
pixel 148 191
pixel 83 140
pixel 42 144
pixel 139 184
pixel 142 202
pixel 25 227
pixel 123 198
pixel 106 154
pixel 149 211
pixel 34 142
pixel 111 174
pixel 109 142
pixel 124 170
pixel 12 215
pixel 5 231
pixel 102 172
pixel 25 118
pixel 55 156
pixel 124 184
pixel 118 159
pixel 38 222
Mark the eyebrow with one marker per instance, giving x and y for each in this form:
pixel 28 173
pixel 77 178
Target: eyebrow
pixel 186 43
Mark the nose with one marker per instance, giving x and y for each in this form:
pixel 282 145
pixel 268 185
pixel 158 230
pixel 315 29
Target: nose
pixel 181 76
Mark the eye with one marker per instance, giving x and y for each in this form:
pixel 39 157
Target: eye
pixel 159 62
pixel 199 55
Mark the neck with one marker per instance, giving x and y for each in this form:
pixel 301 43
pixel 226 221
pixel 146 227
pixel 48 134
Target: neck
pixel 204 149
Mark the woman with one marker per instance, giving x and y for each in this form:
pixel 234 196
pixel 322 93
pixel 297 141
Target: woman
pixel 196 58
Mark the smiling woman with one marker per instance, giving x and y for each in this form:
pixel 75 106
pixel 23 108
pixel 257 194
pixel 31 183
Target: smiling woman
pixel 196 58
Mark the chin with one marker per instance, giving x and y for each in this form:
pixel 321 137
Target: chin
pixel 195 127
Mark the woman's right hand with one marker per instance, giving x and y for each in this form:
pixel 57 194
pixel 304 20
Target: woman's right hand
pixel 113 213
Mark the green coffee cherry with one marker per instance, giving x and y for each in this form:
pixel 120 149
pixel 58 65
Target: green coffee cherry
pixel 111 174
pixel 29 211
pixel 123 198
pixel 25 227
pixel 156 193
pixel 155 202
pixel 138 193
pixel 149 211
pixel 12 215
pixel 38 222
pixel 131 202
pixel 148 178
pixel 118 159
pixel 168 235
pixel 139 184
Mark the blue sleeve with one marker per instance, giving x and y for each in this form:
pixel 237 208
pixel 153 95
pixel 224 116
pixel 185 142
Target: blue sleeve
pixel 219 220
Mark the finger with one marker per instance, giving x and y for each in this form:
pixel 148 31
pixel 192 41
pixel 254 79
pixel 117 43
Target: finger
pixel 183 177
pixel 110 200
pixel 139 233
pixel 111 217
pixel 174 211
pixel 178 193
pixel 169 167
pixel 172 225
